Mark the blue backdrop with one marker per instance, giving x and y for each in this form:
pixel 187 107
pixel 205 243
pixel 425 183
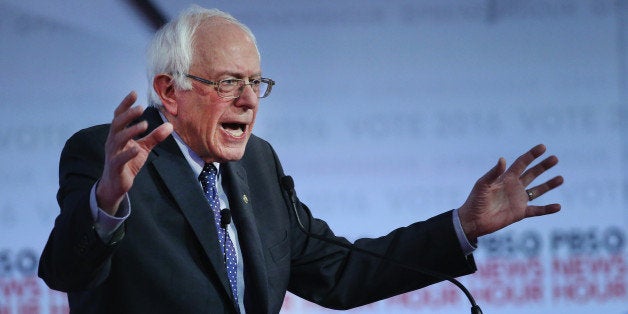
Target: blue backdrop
pixel 415 98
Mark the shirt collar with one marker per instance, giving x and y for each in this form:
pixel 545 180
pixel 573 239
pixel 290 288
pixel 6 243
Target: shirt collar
pixel 195 161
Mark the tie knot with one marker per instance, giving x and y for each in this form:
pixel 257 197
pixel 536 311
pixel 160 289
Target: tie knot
pixel 209 168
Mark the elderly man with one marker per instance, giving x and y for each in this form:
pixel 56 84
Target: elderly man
pixel 144 225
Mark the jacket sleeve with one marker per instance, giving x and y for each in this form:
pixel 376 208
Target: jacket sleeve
pixel 75 258
pixel 341 278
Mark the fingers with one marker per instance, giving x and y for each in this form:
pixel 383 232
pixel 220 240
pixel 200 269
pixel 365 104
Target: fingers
pixel 541 189
pixel 121 132
pixel 124 154
pixel 124 114
pixel 533 211
pixel 125 104
pixel 529 175
pixel 494 173
pixel 526 159
pixel 131 132
pixel 120 160
pixel 156 136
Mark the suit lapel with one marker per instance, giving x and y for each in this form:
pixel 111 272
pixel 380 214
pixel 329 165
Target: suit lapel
pixel 179 179
pixel 255 275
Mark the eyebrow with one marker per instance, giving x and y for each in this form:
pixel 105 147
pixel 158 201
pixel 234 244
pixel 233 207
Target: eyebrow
pixel 237 74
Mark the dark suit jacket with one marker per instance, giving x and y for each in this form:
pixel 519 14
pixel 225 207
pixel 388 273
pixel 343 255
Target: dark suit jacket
pixel 166 257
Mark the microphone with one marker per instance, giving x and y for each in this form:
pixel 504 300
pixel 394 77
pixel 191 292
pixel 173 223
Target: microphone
pixel 225 217
pixel 225 220
pixel 287 183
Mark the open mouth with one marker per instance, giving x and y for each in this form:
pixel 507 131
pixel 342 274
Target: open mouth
pixel 235 129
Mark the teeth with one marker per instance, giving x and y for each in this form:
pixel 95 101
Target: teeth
pixel 235 132
pixel 234 129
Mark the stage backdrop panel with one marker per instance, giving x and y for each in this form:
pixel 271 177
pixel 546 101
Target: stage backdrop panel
pixel 383 113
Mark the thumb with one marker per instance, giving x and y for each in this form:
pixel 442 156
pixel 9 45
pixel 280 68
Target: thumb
pixel 157 135
pixel 495 172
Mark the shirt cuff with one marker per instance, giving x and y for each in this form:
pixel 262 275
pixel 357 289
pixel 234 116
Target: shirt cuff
pixel 467 247
pixel 105 224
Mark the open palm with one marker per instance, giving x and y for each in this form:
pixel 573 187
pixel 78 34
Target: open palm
pixel 499 198
pixel 124 155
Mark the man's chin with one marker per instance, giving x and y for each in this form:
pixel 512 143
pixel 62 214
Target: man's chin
pixel 230 154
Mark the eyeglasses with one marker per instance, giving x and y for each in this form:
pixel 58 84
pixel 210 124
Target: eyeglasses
pixel 232 88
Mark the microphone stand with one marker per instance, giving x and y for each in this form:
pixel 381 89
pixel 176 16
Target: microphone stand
pixel 288 185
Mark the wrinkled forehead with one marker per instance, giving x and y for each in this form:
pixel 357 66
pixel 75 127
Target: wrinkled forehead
pixel 219 34
pixel 221 47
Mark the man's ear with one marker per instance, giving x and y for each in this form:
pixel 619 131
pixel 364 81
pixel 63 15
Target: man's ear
pixel 163 85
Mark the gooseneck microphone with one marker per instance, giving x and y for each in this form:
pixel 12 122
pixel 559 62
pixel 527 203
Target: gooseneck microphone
pixel 225 220
pixel 288 185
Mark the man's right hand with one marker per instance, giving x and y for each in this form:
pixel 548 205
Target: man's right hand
pixel 125 156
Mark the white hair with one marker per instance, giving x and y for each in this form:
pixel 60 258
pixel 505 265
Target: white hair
pixel 172 48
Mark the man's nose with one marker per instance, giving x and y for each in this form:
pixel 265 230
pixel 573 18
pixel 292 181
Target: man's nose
pixel 248 97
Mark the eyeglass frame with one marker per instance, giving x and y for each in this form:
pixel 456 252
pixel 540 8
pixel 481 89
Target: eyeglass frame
pixel 241 82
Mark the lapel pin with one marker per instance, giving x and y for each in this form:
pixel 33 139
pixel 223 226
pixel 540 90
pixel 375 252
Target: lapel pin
pixel 245 199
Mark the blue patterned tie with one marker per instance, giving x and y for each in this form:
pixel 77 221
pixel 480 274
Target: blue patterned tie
pixel 208 181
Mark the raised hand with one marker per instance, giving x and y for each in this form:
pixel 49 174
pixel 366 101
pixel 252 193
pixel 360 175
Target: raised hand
pixel 499 198
pixel 125 156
